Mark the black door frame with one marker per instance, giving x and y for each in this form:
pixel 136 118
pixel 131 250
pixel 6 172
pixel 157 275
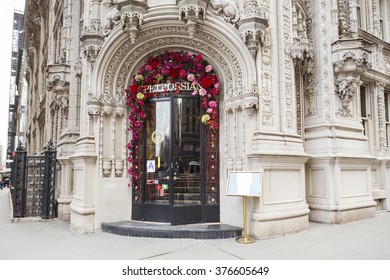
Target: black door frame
pixel 171 213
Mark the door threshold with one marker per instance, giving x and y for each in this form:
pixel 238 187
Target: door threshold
pixel 166 230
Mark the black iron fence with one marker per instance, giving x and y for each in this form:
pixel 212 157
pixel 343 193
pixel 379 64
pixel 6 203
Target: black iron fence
pixel 33 183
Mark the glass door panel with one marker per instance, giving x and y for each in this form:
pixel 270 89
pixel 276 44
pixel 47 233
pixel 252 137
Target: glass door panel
pixel 187 177
pixel 158 135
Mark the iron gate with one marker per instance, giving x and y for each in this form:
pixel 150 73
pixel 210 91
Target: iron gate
pixel 33 182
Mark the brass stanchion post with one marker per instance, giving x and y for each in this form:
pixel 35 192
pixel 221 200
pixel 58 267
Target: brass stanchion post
pixel 245 239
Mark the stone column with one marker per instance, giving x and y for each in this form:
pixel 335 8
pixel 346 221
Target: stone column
pixel 339 171
pixel 277 148
pixel 82 208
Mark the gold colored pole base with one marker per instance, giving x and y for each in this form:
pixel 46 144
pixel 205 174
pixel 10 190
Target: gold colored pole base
pixel 245 240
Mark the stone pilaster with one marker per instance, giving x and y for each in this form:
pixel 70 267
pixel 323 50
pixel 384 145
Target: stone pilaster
pixel 82 208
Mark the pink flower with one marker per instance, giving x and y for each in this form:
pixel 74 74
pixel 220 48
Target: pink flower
pixel 202 92
pixel 209 110
pixel 212 104
pixel 209 68
pixel 182 73
pixel 216 85
pixel 148 67
pixel 165 70
pixel 195 93
pixel 191 77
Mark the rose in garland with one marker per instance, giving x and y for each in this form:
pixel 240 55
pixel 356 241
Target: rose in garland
pixel 170 67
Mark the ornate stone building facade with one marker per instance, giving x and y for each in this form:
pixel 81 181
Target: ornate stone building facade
pixel 304 98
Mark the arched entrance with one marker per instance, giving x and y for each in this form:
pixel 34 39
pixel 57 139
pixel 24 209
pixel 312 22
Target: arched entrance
pixel 174 155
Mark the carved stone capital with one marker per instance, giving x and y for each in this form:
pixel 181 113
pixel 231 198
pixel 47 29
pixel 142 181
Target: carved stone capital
pixel 93 106
pixel 351 57
pixel 132 17
pixel 302 51
pixel 251 99
pixel 192 12
pixel 252 33
pixel 91 53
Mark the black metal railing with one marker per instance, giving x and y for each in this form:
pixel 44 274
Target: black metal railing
pixel 33 183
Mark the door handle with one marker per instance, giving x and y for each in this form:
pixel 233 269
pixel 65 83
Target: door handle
pixel 166 178
pixel 175 178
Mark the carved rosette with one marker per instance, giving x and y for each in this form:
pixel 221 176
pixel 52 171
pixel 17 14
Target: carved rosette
pixel 192 12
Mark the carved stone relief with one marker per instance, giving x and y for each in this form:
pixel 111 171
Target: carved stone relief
pixel 192 12
pixel 227 9
pixel 167 36
pixel 112 18
pixel 382 117
pixel 325 60
pixel 346 89
pixel 287 64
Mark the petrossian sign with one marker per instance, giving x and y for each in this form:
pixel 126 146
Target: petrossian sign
pixel 178 86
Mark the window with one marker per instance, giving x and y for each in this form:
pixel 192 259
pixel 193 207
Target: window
pixel 364 109
pixel 361 12
pixel 383 22
pixel 387 116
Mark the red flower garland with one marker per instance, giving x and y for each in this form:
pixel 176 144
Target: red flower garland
pixel 170 67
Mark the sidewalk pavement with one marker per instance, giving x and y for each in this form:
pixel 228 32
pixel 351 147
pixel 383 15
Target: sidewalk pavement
pixel 367 239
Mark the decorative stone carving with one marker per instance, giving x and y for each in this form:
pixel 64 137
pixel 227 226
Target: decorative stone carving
pixel 345 30
pixel 191 12
pixel 227 8
pixel 62 102
pixel 107 165
pixel 163 36
pixel 301 50
pixel 78 68
pixel 132 17
pixel 346 90
pixel 58 85
pixel 382 117
pixel 93 28
pixel 118 167
pixel 92 37
pixel 251 99
pixel 112 18
pixel 131 21
pixel 93 105
pixel 92 52
pixel 351 59
pixel 252 26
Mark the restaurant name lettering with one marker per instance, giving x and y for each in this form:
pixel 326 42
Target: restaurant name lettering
pixel 184 86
